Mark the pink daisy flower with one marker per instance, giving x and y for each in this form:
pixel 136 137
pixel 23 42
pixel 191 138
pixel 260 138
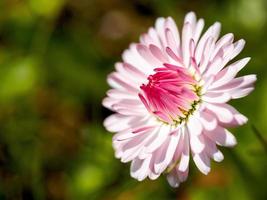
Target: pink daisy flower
pixel 170 97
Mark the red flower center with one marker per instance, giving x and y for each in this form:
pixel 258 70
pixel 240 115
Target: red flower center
pixel 170 94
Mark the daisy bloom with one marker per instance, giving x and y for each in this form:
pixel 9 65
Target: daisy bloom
pixel 170 95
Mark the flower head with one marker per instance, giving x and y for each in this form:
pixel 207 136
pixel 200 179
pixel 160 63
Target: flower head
pixel 170 97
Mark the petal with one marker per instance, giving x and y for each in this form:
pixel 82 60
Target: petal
pixel 242 92
pixel 212 150
pixel 184 161
pixel 129 134
pixel 117 122
pixel 130 73
pixel 186 37
pixel 182 175
pixel 227 115
pixel 202 162
pixel 213 97
pixel 213 32
pixel 116 80
pixel 198 29
pixel 172 36
pixel 221 136
pixel 218 156
pixel 191 19
pixel 160 30
pixel 160 136
pixel 132 57
pixel 145 53
pixel 150 38
pixel 140 168
pixel 222 113
pixel 194 129
pixel 134 71
pixel 163 162
pixel 121 94
pixel 238 47
pixel 237 83
pixel 194 126
pixel 173 179
pixel 221 43
pixel 206 54
pixel 208 121
pixel 109 102
pixel 227 74
pixel 133 147
pixel 157 53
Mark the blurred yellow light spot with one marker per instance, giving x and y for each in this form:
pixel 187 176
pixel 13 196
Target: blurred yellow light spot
pixel 46 8
pixel 89 179
pixel 251 13
pixel 18 79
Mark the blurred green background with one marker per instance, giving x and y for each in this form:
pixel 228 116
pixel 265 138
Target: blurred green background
pixel 54 58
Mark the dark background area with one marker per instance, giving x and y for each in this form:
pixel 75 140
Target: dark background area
pixel 54 59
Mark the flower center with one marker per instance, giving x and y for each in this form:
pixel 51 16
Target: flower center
pixel 171 94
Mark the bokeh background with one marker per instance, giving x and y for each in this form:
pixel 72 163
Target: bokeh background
pixel 54 59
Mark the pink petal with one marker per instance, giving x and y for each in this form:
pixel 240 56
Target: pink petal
pixel 212 150
pixel 173 179
pixel 108 102
pixel 221 43
pixel 208 121
pixel 202 162
pixel 161 30
pixel 222 137
pixel 238 47
pixel 157 53
pixel 227 74
pixel 238 87
pixel 163 162
pixel 140 168
pixel 146 55
pixel 196 143
pixel 117 122
pixel 175 41
pixel 213 97
pixel 186 36
pixel 198 29
pixel 221 112
pixel 117 81
pixel 160 136
pixel 191 19
pixel 194 126
pixel 213 31
pixel 184 161
pixel 132 57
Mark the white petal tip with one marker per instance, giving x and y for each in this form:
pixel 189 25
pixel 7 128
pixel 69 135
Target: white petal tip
pixel 138 176
pixel 230 140
pixel 173 181
pixel 218 156
pixel 202 166
pixel 241 119
pixel 207 171
pixel 159 168
pixel 153 176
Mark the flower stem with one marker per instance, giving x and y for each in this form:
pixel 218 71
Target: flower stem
pixel 260 137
